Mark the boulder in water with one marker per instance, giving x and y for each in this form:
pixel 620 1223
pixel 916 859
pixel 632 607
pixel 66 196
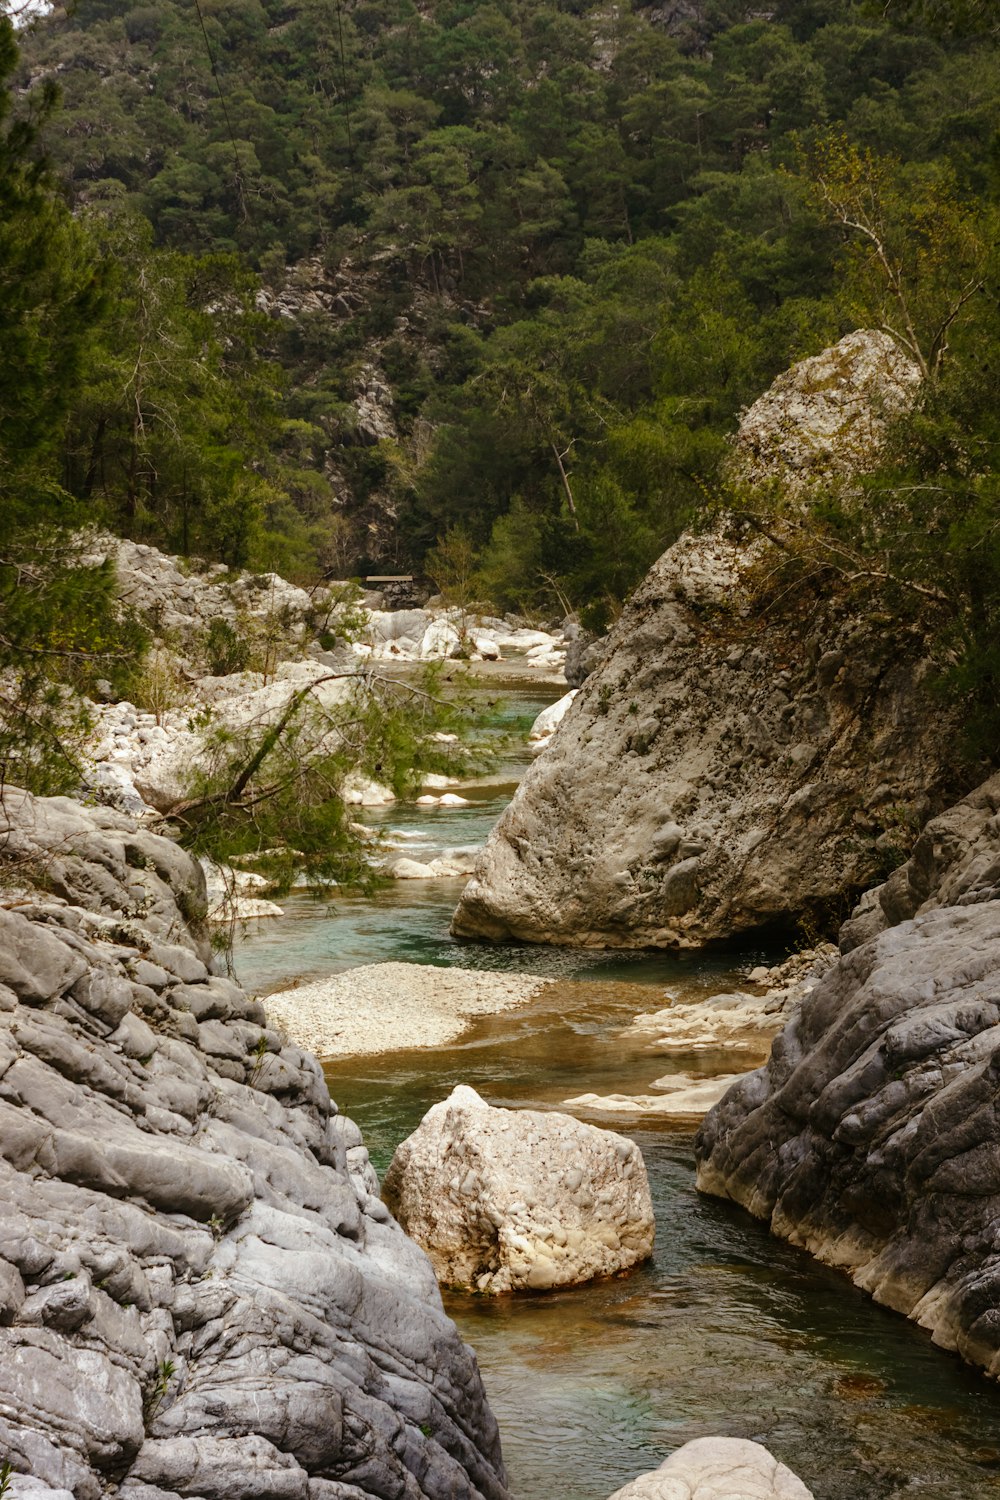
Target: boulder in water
pixel 717 1468
pixel 512 1200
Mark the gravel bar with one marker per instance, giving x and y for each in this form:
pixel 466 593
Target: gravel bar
pixel 389 1007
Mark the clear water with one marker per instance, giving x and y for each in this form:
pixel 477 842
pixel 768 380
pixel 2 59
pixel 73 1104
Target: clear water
pixel 727 1330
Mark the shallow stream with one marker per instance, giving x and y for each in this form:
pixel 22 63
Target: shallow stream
pixel 727 1330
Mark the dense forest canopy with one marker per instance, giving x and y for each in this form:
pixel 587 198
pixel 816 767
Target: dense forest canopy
pixel 562 243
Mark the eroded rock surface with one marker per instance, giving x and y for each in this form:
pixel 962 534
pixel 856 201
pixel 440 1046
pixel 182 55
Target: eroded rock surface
pixel 954 862
pixel 828 414
pixel 872 1136
pixel 201 1293
pixel 717 1468
pixel 717 772
pixel 508 1200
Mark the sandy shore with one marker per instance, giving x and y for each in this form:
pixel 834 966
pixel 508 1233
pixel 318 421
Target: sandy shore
pixel 387 1007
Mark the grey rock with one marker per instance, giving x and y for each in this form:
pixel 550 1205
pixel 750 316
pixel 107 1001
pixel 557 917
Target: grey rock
pixel 872 1138
pixel 768 786
pixel 584 655
pixel 954 861
pixel 200 1296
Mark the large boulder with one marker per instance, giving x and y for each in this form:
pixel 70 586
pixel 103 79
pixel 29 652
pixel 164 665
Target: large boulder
pixel 201 1293
pixel 719 771
pixel 828 414
pixel 717 1468
pixel 872 1136
pixel 725 766
pixel 509 1200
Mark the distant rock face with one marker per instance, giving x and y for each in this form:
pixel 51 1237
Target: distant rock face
pixel 519 1200
pixel 717 772
pixel 201 1294
pixel 717 1468
pixel 827 415
pixel 872 1136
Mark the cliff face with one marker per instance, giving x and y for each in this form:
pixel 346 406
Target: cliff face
pixel 727 767
pixel 201 1293
pixel 872 1136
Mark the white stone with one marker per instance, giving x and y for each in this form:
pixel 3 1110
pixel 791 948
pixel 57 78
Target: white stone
pixel 684 1098
pixel 511 1200
pixel 550 718
pixel 409 869
pixel 452 799
pixel 359 791
pixel 438 640
pixel 717 1468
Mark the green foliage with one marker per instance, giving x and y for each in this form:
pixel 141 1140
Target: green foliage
pixel 576 243
pixel 273 795
pixel 61 627
pixel 226 649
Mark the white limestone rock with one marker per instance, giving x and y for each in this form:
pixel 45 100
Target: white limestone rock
pixel 717 1468
pixel 516 1200
pixel 827 415
pixel 549 719
pixel 438 640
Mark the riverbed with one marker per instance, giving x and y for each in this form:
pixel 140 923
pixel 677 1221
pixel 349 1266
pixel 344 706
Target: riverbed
pixel 727 1330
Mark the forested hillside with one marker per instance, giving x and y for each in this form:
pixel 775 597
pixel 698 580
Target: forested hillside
pixel 497 276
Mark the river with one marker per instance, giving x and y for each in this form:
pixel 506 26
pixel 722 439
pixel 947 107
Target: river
pixel 727 1330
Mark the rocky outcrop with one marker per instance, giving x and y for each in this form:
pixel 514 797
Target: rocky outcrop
pixel 954 862
pixel 872 1136
pixel 727 765
pixel 720 771
pixel 179 602
pixel 827 415
pixel 717 1468
pixel 509 1200
pixel 200 1292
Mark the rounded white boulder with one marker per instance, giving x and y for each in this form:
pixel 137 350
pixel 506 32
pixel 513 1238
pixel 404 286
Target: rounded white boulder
pixel 512 1200
pixel 717 1468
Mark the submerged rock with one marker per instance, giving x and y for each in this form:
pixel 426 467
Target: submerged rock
pixel 200 1292
pixel 717 1468
pixel 512 1200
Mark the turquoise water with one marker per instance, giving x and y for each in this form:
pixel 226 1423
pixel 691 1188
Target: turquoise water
pixel 727 1330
